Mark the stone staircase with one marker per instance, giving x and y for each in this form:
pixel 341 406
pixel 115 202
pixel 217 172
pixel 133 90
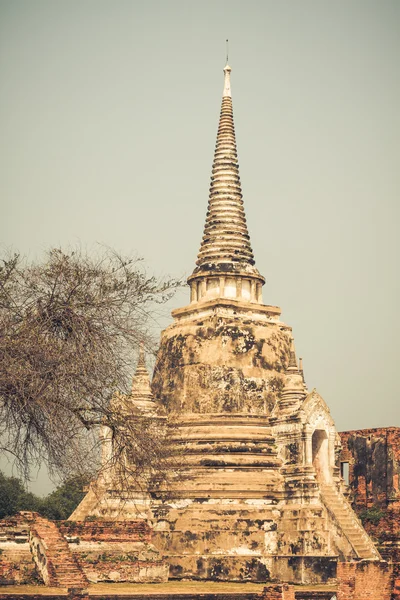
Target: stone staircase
pixel 338 506
pixel 53 558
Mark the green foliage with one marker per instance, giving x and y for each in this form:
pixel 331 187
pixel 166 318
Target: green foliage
pixel 14 497
pixel 62 502
pixel 372 515
pixel 57 505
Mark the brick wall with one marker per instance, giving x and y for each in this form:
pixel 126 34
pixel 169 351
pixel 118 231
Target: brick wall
pixel 108 531
pixel 374 465
pixel 278 592
pixel 17 568
pixel 121 570
pixel 365 581
pixel 38 596
pixel 374 472
pixel 115 551
pixel 102 550
pixel 68 595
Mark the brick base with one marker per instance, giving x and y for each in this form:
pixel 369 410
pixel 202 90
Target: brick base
pixel 365 581
pixel 278 592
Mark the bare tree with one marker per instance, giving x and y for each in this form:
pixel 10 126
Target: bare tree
pixel 69 329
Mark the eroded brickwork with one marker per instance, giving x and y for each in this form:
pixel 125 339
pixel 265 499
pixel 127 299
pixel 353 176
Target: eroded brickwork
pixel 115 551
pixel 373 456
pixel 69 555
pixel 374 465
pixel 16 562
pixel 365 581
pixel 278 592
pixel 108 531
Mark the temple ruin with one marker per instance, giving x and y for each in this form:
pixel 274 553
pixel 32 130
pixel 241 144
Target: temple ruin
pixel 258 495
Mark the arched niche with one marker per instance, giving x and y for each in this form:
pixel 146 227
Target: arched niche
pixel 320 454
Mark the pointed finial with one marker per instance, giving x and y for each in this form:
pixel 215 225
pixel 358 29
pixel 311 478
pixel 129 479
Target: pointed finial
pixel 227 73
pixel 141 380
pixel 301 371
pixel 225 247
pixel 294 390
pixel 292 357
pixel 141 364
pixel 227 82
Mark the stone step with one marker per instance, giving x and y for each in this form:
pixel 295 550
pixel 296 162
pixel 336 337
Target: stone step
pixel 354 535
pixel 346 519
pixel 358 543
pixel 63 570
pixel 348 522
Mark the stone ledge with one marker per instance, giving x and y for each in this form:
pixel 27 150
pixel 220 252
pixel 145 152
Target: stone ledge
pixel 202 307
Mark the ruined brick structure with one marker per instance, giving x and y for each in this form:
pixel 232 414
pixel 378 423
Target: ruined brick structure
pixel 71 555
pixel 258 495
pixel 373 459
pixel 16 564
pixel 370 461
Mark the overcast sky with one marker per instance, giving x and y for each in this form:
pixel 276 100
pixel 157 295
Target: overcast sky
pixel 108 117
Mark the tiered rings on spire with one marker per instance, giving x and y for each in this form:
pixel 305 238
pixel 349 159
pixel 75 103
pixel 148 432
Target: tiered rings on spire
pixel 226 239
pixel 225 234
pixel 225 249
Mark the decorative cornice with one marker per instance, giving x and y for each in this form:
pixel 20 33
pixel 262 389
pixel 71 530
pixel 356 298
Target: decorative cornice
pixel 256 311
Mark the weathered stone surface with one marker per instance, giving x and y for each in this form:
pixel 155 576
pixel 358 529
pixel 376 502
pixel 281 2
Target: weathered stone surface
pixel 221 364
pixel 256 492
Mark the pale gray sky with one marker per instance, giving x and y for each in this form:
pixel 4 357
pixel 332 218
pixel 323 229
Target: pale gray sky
pixel 108 118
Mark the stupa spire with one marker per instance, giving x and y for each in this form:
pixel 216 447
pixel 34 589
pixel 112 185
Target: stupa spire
pixel 141 390
pixel 225 247
pixel 141 364
pixel 227 82
pixel 292 366
pixel 294 390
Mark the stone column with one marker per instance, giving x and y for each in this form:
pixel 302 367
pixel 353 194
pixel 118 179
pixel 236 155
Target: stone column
pixel 203 288
pixel 307 436
pixel 193 291
pixel 259 293
pixel 253 291
pixel 222 287
pixel 238 288
pixel 106 453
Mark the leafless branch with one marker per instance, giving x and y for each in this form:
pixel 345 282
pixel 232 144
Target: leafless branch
pixel 69 330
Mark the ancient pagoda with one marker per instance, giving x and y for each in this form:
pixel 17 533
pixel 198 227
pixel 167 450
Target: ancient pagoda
pixel 257 493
